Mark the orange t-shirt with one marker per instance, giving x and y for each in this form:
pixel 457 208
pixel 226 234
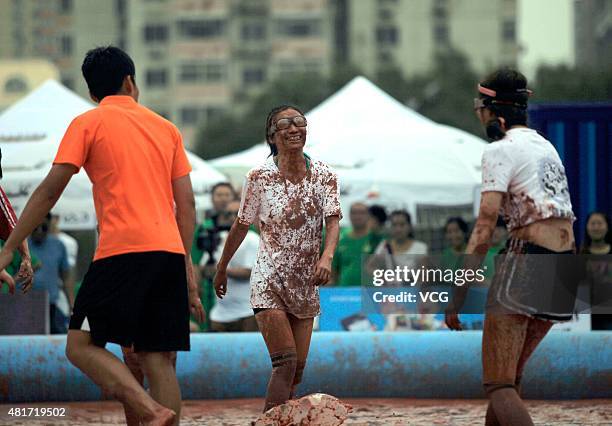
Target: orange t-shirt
pixel 131 156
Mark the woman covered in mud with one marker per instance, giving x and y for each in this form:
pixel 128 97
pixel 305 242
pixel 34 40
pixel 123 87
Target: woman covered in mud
pixel 522 175
pixel 292 197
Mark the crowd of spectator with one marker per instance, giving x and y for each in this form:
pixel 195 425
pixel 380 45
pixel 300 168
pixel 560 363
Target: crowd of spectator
pixel 374 235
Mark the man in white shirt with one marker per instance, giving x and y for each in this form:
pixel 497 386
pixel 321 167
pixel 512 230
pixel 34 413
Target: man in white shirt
pixel 233 312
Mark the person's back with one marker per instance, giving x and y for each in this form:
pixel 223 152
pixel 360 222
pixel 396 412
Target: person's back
pixel 537 207
pixel 139 288
pixel 131 156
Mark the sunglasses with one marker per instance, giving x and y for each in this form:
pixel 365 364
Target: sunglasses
pixel 285 123
pixel 479 104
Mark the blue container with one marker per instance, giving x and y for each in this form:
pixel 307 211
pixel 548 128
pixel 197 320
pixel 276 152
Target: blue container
pixel 582 134
pixel 369 364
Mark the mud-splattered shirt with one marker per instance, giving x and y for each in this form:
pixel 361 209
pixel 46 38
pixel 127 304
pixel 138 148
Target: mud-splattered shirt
pixel 528 169
pixel 291 218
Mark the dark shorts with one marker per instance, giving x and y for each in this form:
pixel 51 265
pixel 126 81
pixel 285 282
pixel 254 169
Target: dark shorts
pixel 137 299
pixel 534 281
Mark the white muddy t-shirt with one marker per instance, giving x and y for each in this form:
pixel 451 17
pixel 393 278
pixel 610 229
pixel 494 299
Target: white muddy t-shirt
pixel 528 169
pixel 291 218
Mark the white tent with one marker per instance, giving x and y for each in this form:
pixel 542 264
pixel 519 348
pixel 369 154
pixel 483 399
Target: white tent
pixel 383 151
pixel 30 132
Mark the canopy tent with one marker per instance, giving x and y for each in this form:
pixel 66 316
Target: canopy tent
pixel 383 151
pixel 30 132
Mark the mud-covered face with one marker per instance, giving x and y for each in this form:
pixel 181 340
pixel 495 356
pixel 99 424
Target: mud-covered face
pixel 289 127
pixel 597 227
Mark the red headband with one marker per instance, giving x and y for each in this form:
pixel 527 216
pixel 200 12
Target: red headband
pixel 485 91
pixel 492 93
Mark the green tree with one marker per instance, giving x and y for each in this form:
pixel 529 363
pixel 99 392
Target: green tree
pixel 562 83
pixel 228 134
pixel 445 94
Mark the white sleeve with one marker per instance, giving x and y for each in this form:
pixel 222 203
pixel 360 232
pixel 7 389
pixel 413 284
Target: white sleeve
pixel 247 252
pixel 497 168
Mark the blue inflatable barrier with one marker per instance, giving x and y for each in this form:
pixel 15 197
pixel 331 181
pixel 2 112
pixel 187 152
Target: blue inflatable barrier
pixel 373 364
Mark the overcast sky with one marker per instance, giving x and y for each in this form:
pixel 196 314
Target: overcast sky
pixel 546 33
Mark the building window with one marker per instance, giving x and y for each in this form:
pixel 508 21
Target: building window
pixel 385 14
pixel 194 29
pixel 153 33
pixel 66 45
pixel 441 34
pixel 288 68
pixel 202 73
pixel 509 31
pixel 15 85
pixel 299 27
pixel 387 36
pixel 193 115
pixel 156 78
pixel 253 31
pixel 253 76
pixel 190 115
pixel 65 6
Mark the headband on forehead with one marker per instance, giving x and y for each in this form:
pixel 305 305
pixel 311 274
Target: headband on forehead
pixel 492 93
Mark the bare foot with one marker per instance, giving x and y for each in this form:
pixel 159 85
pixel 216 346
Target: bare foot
pixel 162 417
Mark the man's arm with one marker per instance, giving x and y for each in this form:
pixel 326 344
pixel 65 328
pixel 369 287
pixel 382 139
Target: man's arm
pixel 185 218
pixel 323 267
pixel 38 206
pixel 476 250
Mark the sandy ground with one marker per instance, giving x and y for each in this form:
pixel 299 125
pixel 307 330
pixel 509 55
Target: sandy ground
pixel 366 412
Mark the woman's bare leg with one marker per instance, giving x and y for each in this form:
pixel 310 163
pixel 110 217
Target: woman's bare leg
pixel 277 333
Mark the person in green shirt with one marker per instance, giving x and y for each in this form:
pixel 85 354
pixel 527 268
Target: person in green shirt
pixel 377 226
pixel 221 194
pixel 456 234
pixel 346 266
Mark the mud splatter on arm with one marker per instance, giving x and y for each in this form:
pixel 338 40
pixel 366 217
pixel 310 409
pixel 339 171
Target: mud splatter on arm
pixel 480 239
pixel 479 243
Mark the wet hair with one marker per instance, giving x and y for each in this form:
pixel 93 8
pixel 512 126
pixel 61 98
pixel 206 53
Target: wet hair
pixel 271 115
pixel 462 224
pixel 221 185
pixel 379 213
pixel 408 218
pixel 105 68
pixel 508 101
pixel 586 244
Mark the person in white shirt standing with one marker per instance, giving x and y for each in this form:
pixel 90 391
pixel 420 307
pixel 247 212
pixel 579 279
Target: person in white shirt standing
pixel 233 312
pixel 524 178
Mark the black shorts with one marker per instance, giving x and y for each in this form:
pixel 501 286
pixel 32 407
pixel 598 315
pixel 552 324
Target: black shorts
pixel 534 281
pixel 137 299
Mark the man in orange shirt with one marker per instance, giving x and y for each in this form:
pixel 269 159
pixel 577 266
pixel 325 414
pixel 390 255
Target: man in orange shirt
pixel 140 287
